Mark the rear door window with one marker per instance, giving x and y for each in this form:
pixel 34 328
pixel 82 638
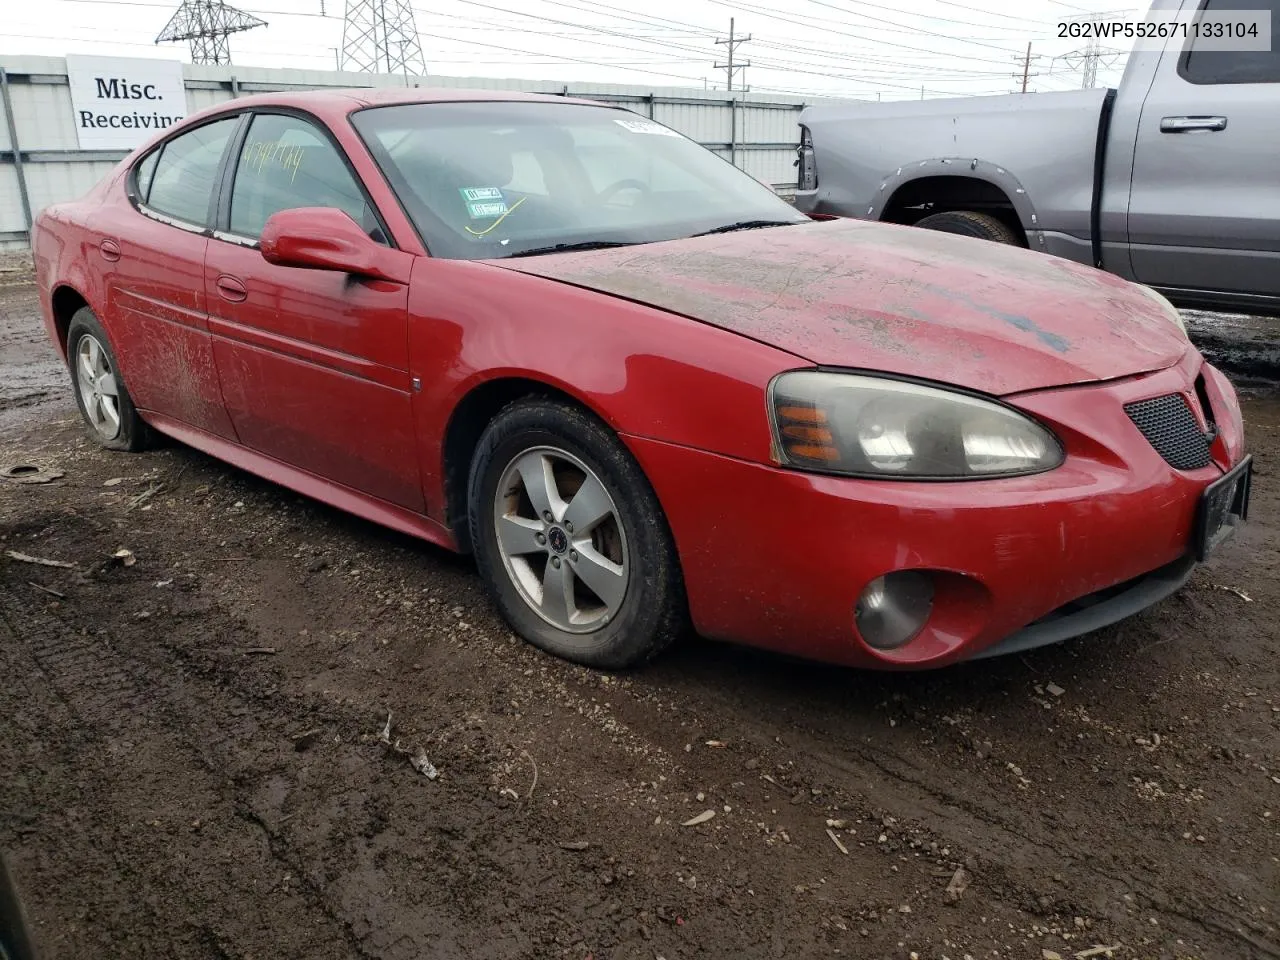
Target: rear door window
pixel 1235 66
pixel 182 184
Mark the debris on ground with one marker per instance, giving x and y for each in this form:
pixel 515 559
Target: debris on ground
pixel 1236 590
pixel 29 473
pixel 836 840
pixel 424 766
pixel 417 756
pixel 267 651
pixel 39 561
pixel 1054 689
pixel 48 590
pixel 958 884
pixel 575 845
pixel 1098 951
pixel 703 817
pixel 124 557
pixel 534 785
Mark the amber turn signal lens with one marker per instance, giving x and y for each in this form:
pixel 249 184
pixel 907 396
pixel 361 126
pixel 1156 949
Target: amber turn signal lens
pixel 818 434
pixel 813 451
pixel 804 434
pixel 802 414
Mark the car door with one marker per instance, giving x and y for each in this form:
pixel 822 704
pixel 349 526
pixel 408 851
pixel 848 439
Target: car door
pixel 152 255
pixel 1204 209
pixel 314 363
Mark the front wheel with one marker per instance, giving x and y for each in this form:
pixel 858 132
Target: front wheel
pixel 571 539
pixel 966 223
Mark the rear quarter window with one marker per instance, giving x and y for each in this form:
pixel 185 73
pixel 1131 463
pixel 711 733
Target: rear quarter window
pixel 143 173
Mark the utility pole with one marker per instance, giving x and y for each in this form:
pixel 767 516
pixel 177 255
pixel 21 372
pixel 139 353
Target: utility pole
pixel 730 68
pixel 1026 74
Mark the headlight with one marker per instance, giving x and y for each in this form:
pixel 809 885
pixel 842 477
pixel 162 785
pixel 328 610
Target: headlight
pixel 872 427
pixel 1169 309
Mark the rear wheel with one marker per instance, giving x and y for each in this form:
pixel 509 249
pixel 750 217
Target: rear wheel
pixel 570 537
pixel 101 395
pixel 966 223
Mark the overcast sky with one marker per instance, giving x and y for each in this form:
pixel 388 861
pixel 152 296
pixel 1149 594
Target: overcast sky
pixel 885 48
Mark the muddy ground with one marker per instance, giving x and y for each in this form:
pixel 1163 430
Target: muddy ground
pixel 192 763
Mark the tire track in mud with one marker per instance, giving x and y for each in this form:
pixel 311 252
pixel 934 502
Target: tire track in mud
pixel 116 694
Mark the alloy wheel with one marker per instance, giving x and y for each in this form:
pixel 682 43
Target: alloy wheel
pixel 99 392
pixel 561 539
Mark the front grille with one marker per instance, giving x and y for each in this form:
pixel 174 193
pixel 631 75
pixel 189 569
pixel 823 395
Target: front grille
pixel 1170 426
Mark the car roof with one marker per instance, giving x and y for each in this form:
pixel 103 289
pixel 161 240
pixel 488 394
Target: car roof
pixel 333 104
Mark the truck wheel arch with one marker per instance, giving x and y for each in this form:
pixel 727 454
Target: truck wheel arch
pixel 954 183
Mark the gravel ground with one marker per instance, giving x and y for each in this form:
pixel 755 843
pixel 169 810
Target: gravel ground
pixel 195 767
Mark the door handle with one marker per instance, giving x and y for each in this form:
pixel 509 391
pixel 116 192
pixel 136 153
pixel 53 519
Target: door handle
pixel 110 250
pixel 1192 124
pixel 231 289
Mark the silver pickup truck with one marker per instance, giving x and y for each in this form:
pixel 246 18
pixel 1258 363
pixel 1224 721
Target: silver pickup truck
pixel 1172 180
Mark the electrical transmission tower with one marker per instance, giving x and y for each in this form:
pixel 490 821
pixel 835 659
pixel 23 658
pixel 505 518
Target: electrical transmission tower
pixel 380 36
pixel 207 24
pixel 1087 59
pixel 730 68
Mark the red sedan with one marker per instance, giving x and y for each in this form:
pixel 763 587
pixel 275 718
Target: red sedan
pixel 642 389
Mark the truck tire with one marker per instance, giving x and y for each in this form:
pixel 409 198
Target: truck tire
pixel 969 224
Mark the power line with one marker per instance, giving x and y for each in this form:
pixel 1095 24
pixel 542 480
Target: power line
pixel 764 12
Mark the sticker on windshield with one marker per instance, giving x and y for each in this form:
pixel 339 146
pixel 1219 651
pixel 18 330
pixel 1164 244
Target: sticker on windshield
pixel 640 125
pixel 488 208
pixel 474 194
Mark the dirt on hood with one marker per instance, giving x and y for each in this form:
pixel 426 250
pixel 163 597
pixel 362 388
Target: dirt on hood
pixel 895 299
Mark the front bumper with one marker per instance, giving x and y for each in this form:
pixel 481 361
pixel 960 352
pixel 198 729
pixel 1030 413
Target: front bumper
pixel 777 559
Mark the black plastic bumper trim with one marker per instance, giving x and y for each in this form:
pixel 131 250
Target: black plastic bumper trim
pixel 1144 591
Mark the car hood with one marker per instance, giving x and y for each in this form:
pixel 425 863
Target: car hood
pixel 895 299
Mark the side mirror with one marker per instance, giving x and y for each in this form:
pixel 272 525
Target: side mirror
pixel 325 238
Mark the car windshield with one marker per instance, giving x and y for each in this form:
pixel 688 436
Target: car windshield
pixel 497 179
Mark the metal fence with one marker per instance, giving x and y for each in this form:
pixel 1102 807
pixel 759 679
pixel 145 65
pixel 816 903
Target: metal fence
pixel 41 162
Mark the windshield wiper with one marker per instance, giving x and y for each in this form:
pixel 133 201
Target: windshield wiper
pixel 747 225
pixel 566 247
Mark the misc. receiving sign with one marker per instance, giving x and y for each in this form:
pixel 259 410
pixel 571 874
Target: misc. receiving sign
pixel 119 102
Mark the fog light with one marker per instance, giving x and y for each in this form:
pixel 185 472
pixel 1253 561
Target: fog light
pixel 893 608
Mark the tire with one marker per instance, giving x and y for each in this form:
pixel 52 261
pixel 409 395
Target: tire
pixel 966 223
pixel 622 625
pixel 112 421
